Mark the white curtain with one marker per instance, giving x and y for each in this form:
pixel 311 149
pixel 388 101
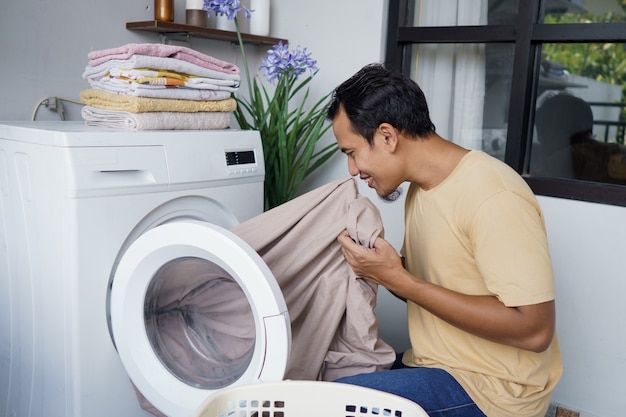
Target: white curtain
pixel 452 76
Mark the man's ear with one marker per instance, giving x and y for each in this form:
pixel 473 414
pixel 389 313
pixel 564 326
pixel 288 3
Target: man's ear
pixel 390 136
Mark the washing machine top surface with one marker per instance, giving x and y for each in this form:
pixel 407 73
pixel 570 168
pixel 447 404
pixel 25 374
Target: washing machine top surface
pixel 96 159
pixel 78 134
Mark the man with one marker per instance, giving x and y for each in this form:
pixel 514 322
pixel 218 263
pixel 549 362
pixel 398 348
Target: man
pixel 478 280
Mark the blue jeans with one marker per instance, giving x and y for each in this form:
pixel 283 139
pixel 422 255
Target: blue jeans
pixel 435 390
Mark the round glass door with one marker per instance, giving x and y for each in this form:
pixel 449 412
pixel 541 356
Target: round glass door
pixel 195 309
pixel 199 323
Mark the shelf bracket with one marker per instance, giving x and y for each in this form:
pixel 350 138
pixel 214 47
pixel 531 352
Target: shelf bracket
pixel 175 38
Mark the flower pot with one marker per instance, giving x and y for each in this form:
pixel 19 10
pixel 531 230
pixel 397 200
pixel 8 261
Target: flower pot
pixel 260 20
pixel 194 15
pixel 222 22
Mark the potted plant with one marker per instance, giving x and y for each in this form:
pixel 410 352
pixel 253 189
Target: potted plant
pixel 289 129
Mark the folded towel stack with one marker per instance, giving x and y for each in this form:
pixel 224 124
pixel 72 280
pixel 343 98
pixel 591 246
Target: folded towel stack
pixel 157 86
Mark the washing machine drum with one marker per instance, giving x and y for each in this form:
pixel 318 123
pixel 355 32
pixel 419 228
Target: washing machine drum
pixel 195 309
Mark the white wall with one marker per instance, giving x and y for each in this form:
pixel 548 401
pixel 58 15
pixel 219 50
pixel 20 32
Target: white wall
pixel 44 48
pixel 588 248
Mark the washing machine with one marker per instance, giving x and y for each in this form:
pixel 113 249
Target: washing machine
pixel 119 275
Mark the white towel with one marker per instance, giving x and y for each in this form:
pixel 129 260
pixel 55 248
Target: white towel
pixel 155 120
pixel 155 62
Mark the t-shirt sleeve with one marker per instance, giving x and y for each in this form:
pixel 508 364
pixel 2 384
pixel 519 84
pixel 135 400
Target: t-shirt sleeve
pixel 511 250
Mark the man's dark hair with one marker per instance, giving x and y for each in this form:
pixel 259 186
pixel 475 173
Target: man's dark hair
pixel 376 95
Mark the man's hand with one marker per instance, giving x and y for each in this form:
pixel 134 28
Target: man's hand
pixel 378 264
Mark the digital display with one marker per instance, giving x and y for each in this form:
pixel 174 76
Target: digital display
pixel 240 157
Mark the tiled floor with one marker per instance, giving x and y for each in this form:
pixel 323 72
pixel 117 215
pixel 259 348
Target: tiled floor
pixel 556 410
pixel 564 412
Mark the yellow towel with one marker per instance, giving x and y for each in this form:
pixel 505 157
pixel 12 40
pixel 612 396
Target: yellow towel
pixel 133 104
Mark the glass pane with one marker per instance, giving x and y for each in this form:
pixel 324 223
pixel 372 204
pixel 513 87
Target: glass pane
pixel 584 11
pixel 199 323
pixel 580 117
pixel 463 12
pixel 468 88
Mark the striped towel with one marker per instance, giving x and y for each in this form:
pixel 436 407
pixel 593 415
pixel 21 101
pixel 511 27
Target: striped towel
pixel 134 89
pixel 150 76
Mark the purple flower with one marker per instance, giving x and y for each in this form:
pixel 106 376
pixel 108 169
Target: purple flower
pixel 281 61
pixel 228 8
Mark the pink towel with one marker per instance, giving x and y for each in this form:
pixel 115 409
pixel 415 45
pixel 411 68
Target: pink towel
pixel 161 50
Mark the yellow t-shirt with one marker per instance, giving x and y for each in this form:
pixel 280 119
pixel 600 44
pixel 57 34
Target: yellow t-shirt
pixel 481 232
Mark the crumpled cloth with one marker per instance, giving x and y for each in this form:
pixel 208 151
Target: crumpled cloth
pixel 334 328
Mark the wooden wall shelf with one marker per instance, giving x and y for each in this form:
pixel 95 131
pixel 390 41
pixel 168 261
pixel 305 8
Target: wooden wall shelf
pixel 201 32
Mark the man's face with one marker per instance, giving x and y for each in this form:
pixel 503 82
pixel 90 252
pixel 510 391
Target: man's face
pixel 373 164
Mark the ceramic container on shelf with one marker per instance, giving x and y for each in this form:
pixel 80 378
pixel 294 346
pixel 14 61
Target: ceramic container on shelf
pixel 194 15
pixel 164 10
pixel 260 20
pixel 222 23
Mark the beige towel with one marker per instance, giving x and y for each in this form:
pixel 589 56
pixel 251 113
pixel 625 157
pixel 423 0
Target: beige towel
pixel 155 120
pixel 110 101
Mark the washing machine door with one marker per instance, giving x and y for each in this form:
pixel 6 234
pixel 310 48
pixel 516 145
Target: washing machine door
pixel 195 309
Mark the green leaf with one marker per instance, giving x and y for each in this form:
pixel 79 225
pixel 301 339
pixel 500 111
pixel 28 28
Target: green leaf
pixel 289 132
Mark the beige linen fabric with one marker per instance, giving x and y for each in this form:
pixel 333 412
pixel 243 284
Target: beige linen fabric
pixel 334 328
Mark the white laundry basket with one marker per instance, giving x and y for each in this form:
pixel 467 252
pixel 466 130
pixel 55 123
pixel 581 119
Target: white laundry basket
pixel 306 399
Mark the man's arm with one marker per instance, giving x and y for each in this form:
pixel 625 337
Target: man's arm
pixel 529 327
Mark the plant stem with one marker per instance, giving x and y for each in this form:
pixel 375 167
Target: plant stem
pixel 243 55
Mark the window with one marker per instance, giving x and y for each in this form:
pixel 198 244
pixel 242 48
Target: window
pixel 539 84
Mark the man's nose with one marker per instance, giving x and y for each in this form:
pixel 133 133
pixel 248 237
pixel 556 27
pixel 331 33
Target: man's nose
pixel 352 168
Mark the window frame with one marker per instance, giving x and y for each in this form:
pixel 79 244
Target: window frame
pixel 527 36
